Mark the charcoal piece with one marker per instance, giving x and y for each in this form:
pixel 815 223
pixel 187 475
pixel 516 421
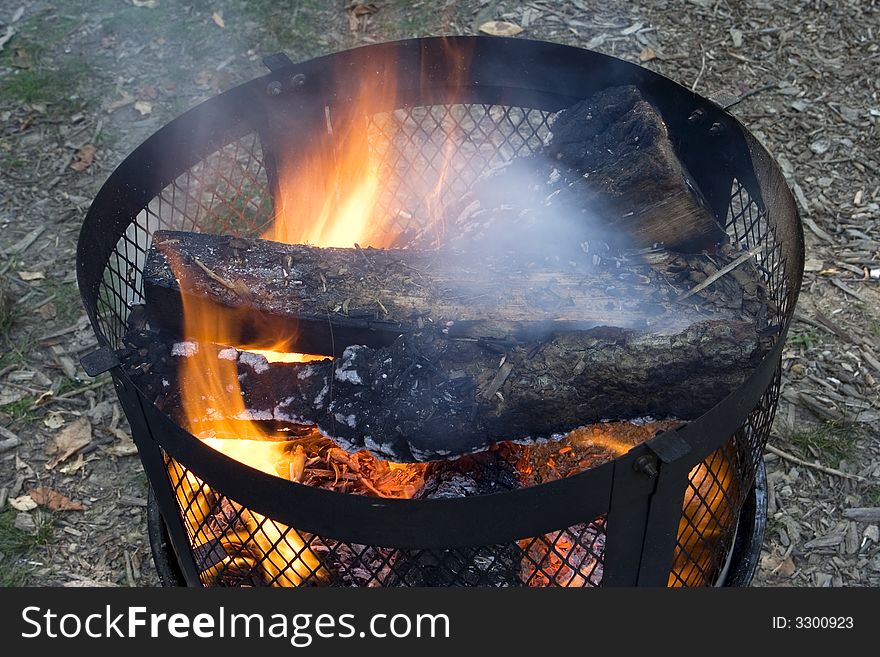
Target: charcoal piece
pixel 495 565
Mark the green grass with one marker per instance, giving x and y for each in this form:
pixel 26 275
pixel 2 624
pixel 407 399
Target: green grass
pixel 13 163
pixel 20 410
pixel 7 309
pixel 39 84
pixel 831 439
pixel 804 339
pixel 295 28
pixel 16 545
pixel 67 302
pixel 13 573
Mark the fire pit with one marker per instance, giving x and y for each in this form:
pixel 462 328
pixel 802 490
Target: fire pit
pixel 531 380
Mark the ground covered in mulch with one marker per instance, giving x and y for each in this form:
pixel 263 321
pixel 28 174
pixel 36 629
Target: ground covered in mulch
pixel 82 83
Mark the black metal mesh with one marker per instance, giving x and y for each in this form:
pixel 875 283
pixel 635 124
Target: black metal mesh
pixel 228 192
pixel 236 546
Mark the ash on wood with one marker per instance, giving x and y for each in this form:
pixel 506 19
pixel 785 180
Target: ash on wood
pixel 323 300
pixel 426 397
pixel 607 172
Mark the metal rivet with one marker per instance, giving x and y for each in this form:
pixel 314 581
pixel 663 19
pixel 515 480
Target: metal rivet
pixel 696 116
pixel 298 81
pixel 646 465
pixel 274 88
pixel 716 129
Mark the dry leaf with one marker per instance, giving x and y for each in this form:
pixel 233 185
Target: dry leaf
pixel 500 28
pixel 53 500
pixel 84 158
pixel 31 275
pixel 74 466
pixel 54 420
pixel 47 311
pixel 147 4
pixel 143 107
pixel 647 54
pixel 123 448
pixel 787 567
pixel 147 92
pixel 362 8
pixel 23 503
pixel 217 17
pixel 68 441
pixel 127 99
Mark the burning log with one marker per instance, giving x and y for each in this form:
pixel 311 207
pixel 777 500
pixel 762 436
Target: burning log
pixel 426 397
pixel 323 300
pixel 608 170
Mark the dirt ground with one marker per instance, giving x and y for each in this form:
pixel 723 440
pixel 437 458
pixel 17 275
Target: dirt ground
pixel 83 82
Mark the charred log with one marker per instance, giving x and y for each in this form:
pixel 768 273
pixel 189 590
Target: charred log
pixel 607 172
pixel 323 300
pixel 427 397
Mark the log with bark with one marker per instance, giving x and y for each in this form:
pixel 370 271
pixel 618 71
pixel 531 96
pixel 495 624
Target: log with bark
pixel 314 300
pixel 426 397
pixel 608 172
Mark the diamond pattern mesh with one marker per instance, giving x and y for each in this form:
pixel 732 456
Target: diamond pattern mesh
pixel 233 546
pixel 228 192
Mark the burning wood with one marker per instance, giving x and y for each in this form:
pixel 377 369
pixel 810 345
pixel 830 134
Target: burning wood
pixel 323 300
pixel 550 306
pixel 607 170
pixel 426 397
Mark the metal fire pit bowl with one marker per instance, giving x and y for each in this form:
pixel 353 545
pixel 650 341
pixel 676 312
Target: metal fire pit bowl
pixel 619 524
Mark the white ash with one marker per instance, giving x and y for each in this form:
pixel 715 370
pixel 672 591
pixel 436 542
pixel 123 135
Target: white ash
pixel 319 399
pixel 345 372
pixel 185 349
pixel 305 373
pixel 350 420
pixel 228 354
pixel 254 415
pixel 257 363
pixel 371 445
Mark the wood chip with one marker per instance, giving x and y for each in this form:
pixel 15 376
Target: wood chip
pixel 500 28
pixel 863 514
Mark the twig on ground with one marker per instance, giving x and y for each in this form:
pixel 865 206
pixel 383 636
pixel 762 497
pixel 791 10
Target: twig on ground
pixel 815 466
pixel 700 74
pixel 749 94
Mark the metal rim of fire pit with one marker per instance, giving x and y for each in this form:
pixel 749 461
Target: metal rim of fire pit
pixel 502 72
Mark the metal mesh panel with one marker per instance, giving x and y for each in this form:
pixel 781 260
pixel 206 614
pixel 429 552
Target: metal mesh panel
pixel 227 192
pixel 429 155
pixel 236 546
pixel 718 486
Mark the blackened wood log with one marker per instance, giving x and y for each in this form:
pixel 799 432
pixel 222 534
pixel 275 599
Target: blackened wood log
pixel 323 300
pixel 426 397
pixel 607 172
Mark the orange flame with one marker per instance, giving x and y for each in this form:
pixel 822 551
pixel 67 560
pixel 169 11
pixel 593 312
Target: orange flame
pixel 329 196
